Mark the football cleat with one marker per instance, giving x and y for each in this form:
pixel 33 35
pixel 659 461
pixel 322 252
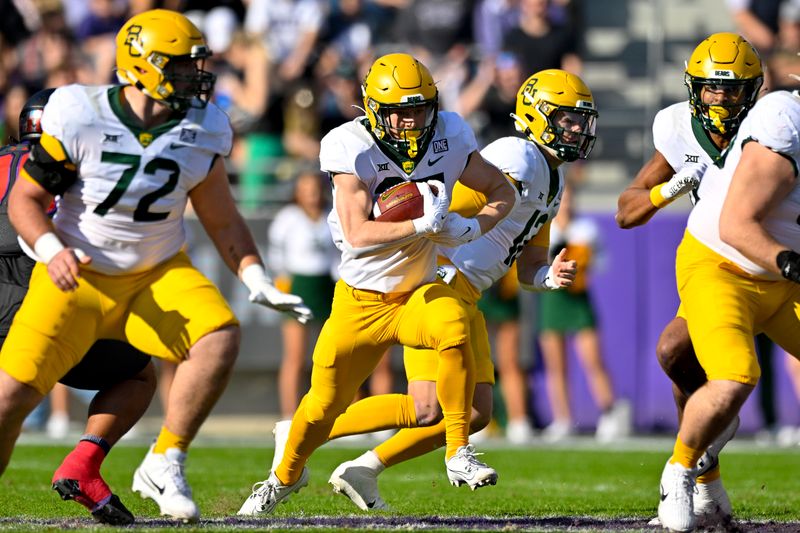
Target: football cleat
pixel 710 458
pixel 359 482
pixel 464 468
pixel 712 507
pixel 110 510
pixel 160 477
pixel 269 493
pixel 676 508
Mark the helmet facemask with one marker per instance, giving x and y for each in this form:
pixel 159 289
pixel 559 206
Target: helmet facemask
pixel 723 63
pixel 725 116
pixel 405 141
pixel 162 54
pixel 399 85
pixel 183 81
pixel 569 132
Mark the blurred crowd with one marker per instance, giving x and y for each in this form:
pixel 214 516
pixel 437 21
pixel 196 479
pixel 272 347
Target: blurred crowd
pixel 289 70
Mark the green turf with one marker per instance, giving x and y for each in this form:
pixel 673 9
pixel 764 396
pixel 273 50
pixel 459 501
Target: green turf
pixel 537 482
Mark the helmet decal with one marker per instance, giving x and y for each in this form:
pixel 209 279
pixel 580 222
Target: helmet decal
pixel 555 109
pixel 727 65
pixel 161 53
pixel 401 89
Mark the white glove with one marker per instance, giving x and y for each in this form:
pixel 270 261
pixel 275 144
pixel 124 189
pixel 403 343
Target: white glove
pixel 684 181
pixel 435 205
pixel 456 231
pixel 263 292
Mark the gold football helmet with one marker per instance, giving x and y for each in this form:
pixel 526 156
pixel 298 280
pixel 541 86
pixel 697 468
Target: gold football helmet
pixel 398 83
pixel 556 110
pixel 723 62
pixel 161 53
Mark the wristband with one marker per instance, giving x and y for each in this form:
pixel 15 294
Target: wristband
pixel 253 276
pixel 421 226
pixel 47 246
pixel 788 262
pixel 543 280
pixel 656 198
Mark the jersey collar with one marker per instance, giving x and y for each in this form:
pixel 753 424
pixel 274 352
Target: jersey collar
pixel 700 134
pixel 144 136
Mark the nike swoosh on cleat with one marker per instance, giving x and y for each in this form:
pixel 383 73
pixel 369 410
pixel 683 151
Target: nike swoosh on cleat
pixel 371 504
pixel 152 483
pixel 432 162
pixel 663 494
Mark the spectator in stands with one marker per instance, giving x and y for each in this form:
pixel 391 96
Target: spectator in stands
pixel 541 43
pixel 302 254
pixel 440 35
pixel 769 25
pixel 501 308
pixel 490 94
pixel 290 29
pixel 348 36
pixel 570 312
pixel 492 19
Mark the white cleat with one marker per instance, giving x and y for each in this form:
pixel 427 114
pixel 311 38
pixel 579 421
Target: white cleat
pixel 676 508
pixel 615 424
pixel 519 432
pixel 281 434
pixel 558 431
pixel 269 493
pixel 359 482
pixel 712 506
pixel 160 477
pixel 465 468
pixel 710 458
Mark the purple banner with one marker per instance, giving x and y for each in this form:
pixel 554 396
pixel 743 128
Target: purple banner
pixel 635 297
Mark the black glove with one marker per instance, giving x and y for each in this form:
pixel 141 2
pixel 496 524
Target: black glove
pixel 789 263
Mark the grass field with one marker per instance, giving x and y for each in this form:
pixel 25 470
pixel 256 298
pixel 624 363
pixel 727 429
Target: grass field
pixel 579 488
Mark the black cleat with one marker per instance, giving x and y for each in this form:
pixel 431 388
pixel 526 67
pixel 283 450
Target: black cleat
pixel 112 512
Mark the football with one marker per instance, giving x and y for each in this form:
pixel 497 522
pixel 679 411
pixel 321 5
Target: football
pixel 398 203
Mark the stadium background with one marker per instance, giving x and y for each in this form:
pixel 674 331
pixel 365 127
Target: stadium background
pixel 633 59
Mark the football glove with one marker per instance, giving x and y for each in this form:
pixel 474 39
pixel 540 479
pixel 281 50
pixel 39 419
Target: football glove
pixel 683 181
pixel 263 292
pixel 435 205
pixel 456 231
pixel 789 263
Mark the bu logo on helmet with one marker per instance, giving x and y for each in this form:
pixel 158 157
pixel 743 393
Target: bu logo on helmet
pixel 133 36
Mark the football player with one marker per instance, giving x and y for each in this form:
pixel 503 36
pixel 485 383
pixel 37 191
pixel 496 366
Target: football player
pixel 723 76
pixel 387 293
pixel 555 112
pixel 125 160
pixel 123 375
pixel 737 271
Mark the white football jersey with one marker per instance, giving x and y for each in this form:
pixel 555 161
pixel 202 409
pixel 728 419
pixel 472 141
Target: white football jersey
pixel 487 258
pixel 774 122
pixel 300 245
pixel 126 208
pixel 351 149
pixel 682 141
